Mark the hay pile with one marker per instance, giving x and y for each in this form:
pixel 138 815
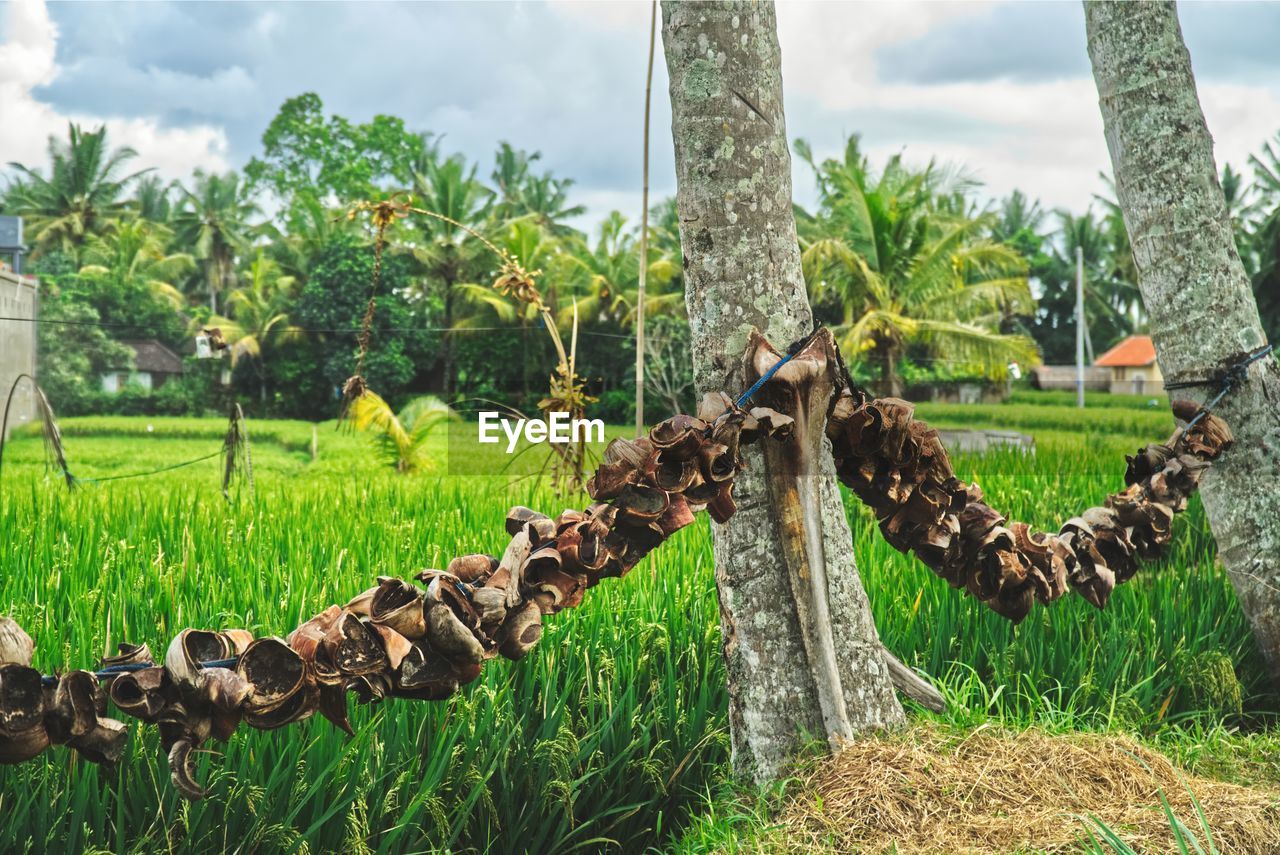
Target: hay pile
pixel 931 790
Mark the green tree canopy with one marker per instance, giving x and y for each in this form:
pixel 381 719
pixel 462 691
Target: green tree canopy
pixel 910 265
pixel 82 195
pixel 329 157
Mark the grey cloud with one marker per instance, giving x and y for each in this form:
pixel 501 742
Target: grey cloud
pixel 1020 41
pixel 1031 42
pixel 474 73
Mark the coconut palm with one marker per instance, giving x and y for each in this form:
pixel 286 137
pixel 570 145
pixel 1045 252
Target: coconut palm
pixel 1262 222
pixel 311 227
pixel 607 277
pixel 446 257
pixel 533 248
pixel 908 272
pixel 401 439
pixel 521 193
pixel 136 251
pixel 82 196
pixel 153 198
pixel 213 219
pixel 259 316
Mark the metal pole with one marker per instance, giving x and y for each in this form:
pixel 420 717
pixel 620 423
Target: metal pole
pixel 1079 327
pixel 644 232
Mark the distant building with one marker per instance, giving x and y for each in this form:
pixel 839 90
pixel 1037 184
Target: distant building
pixel 153 366
pixel 1064 377
pixel 17 343
pixel 1133 367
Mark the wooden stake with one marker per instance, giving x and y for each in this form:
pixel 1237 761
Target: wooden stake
pixel 644 232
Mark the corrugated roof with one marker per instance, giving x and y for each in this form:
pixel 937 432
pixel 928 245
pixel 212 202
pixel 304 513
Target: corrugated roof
pixel 1134 351
pixel 154 357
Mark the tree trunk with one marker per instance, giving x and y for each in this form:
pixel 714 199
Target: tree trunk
pixel 742 271
pixel 890 380
pixel 1196 292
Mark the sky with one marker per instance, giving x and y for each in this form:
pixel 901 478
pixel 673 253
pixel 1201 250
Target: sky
pixel 1002 88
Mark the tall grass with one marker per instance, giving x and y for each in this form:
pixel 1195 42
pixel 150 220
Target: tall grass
pixel 610 734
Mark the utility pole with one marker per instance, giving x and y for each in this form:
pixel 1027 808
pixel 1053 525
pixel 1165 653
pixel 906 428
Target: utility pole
pixel 1079 327
pixel 644 231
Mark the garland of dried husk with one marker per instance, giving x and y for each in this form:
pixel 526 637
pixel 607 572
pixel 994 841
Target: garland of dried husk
pixel 898 467
pixel 423 641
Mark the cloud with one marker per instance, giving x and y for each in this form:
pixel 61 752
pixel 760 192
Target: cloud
pixel 28 62
pixel 1002 87
pixel 1004 90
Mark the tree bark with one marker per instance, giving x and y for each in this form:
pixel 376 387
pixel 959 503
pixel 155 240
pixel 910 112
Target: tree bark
pixel 742 271
pixel 1196 292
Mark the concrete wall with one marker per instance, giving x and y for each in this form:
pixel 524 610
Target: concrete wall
pixel 17 345
pixel 1137 380
pixel 1096 379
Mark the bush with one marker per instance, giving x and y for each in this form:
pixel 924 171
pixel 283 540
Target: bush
pixel 615 407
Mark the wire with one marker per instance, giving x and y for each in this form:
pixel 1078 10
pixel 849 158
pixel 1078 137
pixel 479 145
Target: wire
pixel 1227 378
pixel 150 471
pixel 116 670
pixel 183 331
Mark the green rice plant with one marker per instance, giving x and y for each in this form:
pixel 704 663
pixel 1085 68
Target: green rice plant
pixel 613 732
pixel 1103 840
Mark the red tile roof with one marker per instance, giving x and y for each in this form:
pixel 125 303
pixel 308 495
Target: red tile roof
pixel 1133 351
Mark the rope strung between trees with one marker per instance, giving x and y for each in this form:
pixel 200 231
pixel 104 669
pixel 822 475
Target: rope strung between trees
pixel 423 641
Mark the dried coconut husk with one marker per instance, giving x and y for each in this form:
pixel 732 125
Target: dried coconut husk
pixel 898 467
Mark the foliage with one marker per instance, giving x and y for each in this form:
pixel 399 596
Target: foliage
pixel 331 304
pixel 134 253
pixel 213 219
pixel 1112 306
pixel 81 196
pixel 73 358
pixel 911 266
pixel 522 193
pixel 329 158
pixel 260 318
pixel 401 439
pixel 616 719
pixel 668 368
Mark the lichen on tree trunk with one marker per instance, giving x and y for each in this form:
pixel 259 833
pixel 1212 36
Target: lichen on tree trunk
pixel 742 272
pixel 1195 289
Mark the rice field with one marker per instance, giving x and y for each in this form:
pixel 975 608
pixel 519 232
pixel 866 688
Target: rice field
pixel 613 734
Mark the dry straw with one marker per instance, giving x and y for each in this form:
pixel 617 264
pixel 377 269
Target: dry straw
pixel 931 790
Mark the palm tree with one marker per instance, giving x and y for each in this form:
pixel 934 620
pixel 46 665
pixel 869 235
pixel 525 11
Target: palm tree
pixel 908 272
pixel 135 251
pixel 1017 215
pixel 311 226
pixel 82 195
pixel 607 276
pixel 448 187
pixel 401 439
pixel 521 193
pixel 213 219
pixel 153 198
pixel 259 316
pixel 1262 222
